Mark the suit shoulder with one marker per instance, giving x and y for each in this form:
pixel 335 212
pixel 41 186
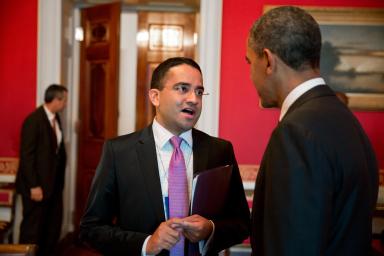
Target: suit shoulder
pixel 129 140
pixel 34 117
pixel 126 138
pixel 200 135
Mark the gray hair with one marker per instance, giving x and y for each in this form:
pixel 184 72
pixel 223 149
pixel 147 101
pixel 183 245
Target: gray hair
pixel 290 33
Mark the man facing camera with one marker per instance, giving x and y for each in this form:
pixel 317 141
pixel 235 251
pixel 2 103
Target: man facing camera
pixel 140 196
pixel 318 180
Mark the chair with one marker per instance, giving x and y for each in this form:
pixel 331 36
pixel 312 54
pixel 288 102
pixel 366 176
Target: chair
pixel 18 249
pixel 8 170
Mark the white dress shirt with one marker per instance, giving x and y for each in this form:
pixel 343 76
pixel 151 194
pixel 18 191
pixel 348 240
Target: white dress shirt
pixel 51 117
pixel 297 92
pixel 164 151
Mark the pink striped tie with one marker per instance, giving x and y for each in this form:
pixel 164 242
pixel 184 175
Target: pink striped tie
pixel 177 190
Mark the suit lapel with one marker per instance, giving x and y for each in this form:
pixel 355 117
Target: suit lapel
pixel 59 121
pixel 200 152
pixel 146 151
pixel 61 129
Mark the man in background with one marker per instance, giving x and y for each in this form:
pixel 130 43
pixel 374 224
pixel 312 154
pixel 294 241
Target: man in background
pixel 130 206
pixel 318 181
pixel 40 178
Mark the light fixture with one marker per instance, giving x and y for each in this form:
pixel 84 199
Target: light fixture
pixel 79 34
pixel 165 37
pixel 142 36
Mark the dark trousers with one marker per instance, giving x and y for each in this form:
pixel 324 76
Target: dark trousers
pixel 41 223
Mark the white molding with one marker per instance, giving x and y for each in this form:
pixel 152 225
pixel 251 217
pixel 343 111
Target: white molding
pixel 209 59
pixel 72 117
pixel 49 70
pixel 127 72
pixel 48 46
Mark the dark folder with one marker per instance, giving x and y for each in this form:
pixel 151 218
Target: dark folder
pixel 211 188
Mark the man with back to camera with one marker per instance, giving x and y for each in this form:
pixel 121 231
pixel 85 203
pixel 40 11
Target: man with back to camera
pixel 318 180
pixel 129 209
pixel 40 178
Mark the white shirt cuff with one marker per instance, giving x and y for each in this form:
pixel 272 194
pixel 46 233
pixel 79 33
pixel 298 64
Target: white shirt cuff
pixel 204 245
pixel 143 249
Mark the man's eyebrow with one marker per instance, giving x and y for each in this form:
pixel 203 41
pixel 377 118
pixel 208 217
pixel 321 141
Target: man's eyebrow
pixel 182 83
pixel 200 87
pixel 189 85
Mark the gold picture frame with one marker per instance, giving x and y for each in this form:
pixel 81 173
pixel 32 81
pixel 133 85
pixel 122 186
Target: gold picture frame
pixel 352 60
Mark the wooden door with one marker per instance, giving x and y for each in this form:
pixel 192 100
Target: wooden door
pixel 151 52
pixel 98 108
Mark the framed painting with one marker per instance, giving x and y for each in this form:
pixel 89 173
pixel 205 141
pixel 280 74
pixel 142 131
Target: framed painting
pixel 352 55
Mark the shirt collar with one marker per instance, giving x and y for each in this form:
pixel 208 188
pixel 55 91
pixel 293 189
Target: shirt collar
pixel 297 92
pixel 162 135
pixel 50 115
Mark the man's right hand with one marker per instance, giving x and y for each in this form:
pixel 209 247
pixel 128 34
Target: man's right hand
pixel 37 194
pixel 164 237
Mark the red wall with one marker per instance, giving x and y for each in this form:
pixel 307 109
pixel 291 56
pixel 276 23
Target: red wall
pixel 240 116
pixel 241 119
pixel 18 62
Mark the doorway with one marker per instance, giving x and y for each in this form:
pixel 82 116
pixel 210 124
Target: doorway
pixel 162 35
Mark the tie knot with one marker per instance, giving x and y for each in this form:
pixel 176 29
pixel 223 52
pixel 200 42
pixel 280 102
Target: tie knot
pixel 176 141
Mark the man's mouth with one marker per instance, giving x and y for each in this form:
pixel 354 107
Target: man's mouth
pixel 188 111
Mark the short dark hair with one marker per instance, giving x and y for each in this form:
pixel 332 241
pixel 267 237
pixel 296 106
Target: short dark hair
pixel 291 33
pixel 161 70
pixel 54 91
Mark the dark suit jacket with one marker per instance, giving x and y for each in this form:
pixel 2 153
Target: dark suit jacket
pixel 125 203
pixel 318 183
pixel 40 165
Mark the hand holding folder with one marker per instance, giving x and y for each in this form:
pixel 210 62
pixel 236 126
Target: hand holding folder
pixel 210 191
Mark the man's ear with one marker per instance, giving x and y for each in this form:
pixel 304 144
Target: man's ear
pixel 154 95
pixel 271 61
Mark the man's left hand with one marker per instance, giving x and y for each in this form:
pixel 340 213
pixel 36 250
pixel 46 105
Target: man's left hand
pixel 196 228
